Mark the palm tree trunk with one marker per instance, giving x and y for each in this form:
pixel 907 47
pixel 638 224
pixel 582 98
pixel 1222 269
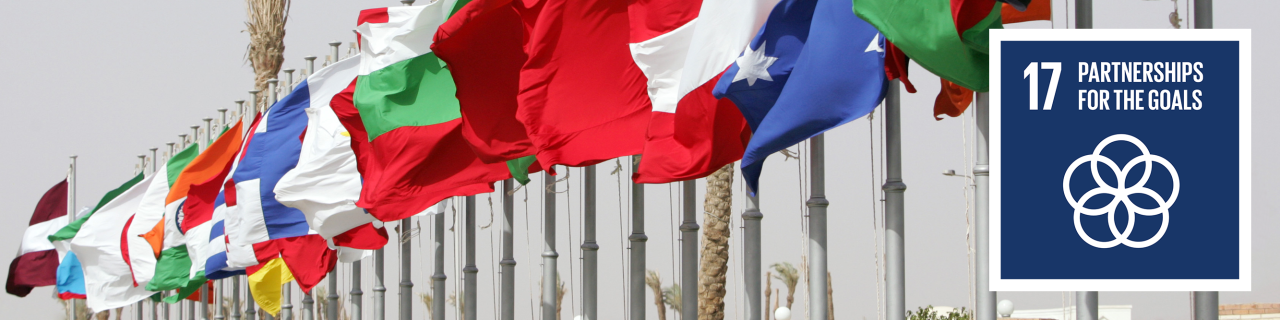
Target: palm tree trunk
pixel 715 244
pixel 266 41
pixel 768 291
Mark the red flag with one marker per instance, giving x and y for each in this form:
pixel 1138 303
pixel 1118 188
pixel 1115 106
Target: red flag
pixel 37 262
pixel 582 98
pixel 895 65
pixel 952 100
pixel 1036 10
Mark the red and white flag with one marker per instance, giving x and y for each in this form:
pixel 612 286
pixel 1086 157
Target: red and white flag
pixel 683 47
pixel 37 261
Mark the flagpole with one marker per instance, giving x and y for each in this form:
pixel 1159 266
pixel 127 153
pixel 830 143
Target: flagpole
pixel 1206 302
pixel 165 306
pixel 379 291
pixel 437 279
pixel 751 256
pixel 817 203
pixel 638 239
pixel 469 271
pixel 986 299
pixel 894 189
pixel 1086 301
pixel 508 262
pixel 357 304
pixel 71 212
pixel 141 304
pixel 250 310
pixel 549 254
pixel 689 253
pixel 331 308
pixel 590 250
pixel 235 298
pixel 253 114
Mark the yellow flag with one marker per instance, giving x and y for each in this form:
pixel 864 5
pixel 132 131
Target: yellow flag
pixel 266 283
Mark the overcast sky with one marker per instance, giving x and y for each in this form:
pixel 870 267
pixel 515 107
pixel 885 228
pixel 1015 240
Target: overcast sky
pixel 109 80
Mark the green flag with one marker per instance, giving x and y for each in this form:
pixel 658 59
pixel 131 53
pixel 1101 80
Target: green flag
pixel 928 32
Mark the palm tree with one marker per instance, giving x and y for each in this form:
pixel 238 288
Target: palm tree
pixel 671 296
pixel 560 292
pixel 715 244
pixel 459 303
pixel 426 300
pixel 789 276
pixel 768 291
pixel 655 283
pixel 266 41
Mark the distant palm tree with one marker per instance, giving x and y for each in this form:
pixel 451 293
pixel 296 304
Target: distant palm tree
pixel 655 283
pixel 789 276
pixel 768 291
pixel 671 296
pixel 426 300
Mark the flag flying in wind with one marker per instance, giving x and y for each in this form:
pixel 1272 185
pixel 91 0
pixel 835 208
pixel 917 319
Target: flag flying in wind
pixel 325 185
pixel 813 66
pixel 37 262
pixel 223 258
pixel 581 97
pixel 70 271
pixel 683 47
pixel 948 38
pixel 204 178
pixel 403 105
pixel 164 213
pixel 269 151
pixel 103 245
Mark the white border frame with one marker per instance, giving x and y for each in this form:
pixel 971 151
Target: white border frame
pixel 1242 284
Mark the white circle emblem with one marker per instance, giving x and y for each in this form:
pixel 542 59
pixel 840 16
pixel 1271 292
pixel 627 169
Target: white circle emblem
pixel 1121 193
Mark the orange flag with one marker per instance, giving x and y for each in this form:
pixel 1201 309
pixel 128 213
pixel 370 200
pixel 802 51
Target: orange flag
pixel 1036 10
pixel 952 100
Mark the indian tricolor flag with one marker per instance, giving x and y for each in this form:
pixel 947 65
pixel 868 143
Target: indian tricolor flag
pixel 403 105
pixel 172 269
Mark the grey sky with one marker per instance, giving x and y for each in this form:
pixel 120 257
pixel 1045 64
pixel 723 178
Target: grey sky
pixel 108 80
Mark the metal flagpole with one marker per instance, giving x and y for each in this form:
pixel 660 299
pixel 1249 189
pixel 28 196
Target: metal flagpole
pixel 894 188
pixel 406 265
pixel 590 250
pixel 638 239
pixel 165 306
pixel 549 255
pixel 1086 301
pixel 308 313
pixel 256 108
pixel 331 309
pixel 182 139
pixel 689 253
pixel 1206 302
pixel 437 279
pixel 154 159
pixel 250 311
pixel 235 298
pixel 288 85
pixel 357 302
pixel 508 262
pixel 751 257
pixel 817 230
pixel 986 299
pixel 469 270
pixel 71 212
pixel 379 291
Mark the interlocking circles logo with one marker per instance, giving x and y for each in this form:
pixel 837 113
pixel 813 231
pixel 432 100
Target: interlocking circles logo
pixel 1120 193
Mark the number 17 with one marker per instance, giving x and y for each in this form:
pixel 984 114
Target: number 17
pixel 1033 72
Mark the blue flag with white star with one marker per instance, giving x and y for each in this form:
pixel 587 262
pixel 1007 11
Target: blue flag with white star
pixel 813 66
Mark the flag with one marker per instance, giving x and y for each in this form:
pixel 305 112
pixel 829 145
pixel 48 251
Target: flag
pixel 895 65
pixel 404 107
pixel 221 258
pixel 70 270
pixel 265 283
pixel 948 38
pixel 485 58
pixel 105 250
pixel 1035 10
pixel 952 100
pixel 581 97
pixel 815 67
pixel 37 262
pixel 163 218
pixel 204 178
pixel 325 184
pixel 270 150
pixel 683 47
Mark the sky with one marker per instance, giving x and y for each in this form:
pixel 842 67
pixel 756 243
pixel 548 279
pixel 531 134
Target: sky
pixel 109 80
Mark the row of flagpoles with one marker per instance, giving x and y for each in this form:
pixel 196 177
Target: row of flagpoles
pixel 894 189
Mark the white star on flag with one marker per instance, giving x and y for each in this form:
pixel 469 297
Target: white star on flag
pixel 874 45
pixel 753 65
